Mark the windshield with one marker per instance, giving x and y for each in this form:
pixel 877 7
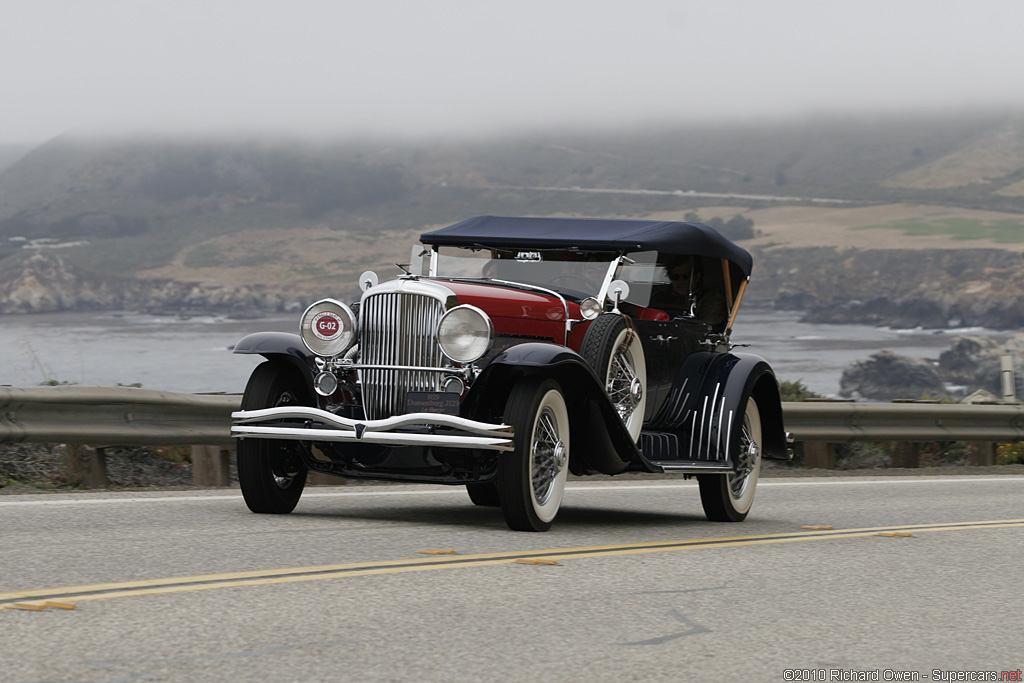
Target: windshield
pixel 575 274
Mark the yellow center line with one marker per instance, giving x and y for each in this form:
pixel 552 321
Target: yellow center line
pixel 104 591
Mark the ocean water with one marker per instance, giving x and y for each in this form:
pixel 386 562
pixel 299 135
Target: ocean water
pixel 193 355
pixel 107 349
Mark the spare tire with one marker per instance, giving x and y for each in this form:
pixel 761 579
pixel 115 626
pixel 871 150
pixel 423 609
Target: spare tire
pixel 612 347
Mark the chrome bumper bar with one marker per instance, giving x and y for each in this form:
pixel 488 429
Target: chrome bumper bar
pixel 477 434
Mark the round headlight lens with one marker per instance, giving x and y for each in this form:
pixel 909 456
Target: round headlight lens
pixel 590 308
pixel 328 327
pixel 465 333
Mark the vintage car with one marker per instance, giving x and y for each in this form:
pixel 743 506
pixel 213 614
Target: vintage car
pixel 512 352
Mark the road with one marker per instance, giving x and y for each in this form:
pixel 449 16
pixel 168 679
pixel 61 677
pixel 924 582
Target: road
pixel 682 193
pixel 644 588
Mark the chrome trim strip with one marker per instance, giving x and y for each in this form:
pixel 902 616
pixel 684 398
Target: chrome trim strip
pixel 677 410
pixel 695 468
pixel 418 368
pixel 387 438
pixel 711 419
pixel 410 419
pixel 693 431
pixel 728 438
pixel 703 421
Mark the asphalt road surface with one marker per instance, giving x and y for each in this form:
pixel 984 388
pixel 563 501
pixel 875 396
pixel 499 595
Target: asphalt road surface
pixel 917 577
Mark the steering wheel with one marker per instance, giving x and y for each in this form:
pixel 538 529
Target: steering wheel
pixel 588 286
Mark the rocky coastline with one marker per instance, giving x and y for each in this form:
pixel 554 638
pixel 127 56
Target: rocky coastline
pixel 926 288
pixel 971 366
pixel 933 289
pixel 47 282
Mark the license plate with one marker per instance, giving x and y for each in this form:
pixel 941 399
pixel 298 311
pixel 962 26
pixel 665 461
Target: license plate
pixel 439 402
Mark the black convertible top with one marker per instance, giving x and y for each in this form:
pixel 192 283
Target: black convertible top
pixel 597 234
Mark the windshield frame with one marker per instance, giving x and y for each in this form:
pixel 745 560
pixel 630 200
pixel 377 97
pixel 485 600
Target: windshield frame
pixel 602 268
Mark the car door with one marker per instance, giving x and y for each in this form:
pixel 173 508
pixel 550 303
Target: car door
pixel 666 345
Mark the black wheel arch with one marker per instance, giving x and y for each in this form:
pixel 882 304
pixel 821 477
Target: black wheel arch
pixel 743 376
pixel 281 347
pixel 600 442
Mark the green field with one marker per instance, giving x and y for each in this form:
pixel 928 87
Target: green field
pixel 1007 231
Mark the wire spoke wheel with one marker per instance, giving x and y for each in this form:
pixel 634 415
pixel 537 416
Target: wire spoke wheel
pixel 547 453
pixel 620 382
pixel 532 477
pixel 728 497
pixel 614 350
pixel 748 461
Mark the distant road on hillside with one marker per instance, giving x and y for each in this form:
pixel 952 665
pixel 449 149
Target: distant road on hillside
pixel 684 193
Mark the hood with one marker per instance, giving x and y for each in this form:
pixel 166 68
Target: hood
pixel 501 301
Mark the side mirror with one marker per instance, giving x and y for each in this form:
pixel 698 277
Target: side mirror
pixel 367 280
pixel 618 290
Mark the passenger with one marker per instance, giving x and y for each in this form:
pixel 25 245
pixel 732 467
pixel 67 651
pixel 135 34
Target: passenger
pixel 686 273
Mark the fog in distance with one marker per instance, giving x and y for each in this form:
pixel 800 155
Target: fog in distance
pixel 458 68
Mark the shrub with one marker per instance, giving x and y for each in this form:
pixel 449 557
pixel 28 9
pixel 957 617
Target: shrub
pixel 796 391
pixel 1010 453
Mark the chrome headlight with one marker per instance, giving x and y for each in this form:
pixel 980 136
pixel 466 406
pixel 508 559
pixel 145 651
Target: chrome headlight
pixel 328 327
pixel 465 333
pixel 590 308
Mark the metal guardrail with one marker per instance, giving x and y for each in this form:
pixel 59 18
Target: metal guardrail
pixel 114 416
pixel 126 416
pixel 851 421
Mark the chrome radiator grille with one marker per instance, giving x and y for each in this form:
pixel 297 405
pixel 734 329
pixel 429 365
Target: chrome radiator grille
pixel 398 328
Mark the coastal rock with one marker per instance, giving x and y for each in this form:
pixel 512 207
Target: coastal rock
pixel 930 288
pixel 885 376
pixel 46 282
pixel 974 362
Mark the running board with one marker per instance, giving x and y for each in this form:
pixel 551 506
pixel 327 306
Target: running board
pixel 691 467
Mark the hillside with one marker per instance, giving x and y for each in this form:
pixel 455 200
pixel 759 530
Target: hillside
pixel 294 215
pixel 10 153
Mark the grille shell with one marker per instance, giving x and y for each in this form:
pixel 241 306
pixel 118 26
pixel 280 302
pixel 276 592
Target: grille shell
pixel 398 327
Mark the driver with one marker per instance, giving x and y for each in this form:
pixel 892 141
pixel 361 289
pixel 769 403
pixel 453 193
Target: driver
pixel 686 274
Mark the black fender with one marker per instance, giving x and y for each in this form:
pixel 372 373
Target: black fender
pixel 709 398
pixel 280 346
pixel 599 440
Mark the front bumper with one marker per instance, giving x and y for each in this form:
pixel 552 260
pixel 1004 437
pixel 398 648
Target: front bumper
pixel 414 429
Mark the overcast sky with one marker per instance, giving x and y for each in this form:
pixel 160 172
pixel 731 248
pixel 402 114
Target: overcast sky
pixel 478 66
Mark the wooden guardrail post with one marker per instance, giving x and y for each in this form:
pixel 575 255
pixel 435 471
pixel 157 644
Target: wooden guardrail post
pixel 210 466
pixel 85 466
pixel 819 455
pixel 982 453
pixel 905 454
